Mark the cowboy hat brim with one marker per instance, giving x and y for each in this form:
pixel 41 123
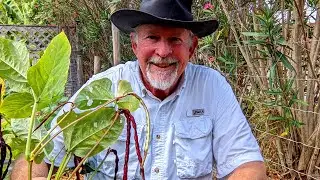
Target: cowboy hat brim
pixel 127 19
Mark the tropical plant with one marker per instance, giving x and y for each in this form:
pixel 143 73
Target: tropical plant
pixel 39 86
pixel 17 12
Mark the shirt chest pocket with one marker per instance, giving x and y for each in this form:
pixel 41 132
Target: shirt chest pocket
pixel 193 145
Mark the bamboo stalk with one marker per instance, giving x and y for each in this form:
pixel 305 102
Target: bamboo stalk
pixel 262 63
pixel 297 57
pixel 288 156
pixel 280 154
pixel 252 69
pixel 315 153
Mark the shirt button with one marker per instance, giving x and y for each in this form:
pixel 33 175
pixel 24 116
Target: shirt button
pixel 158 136
pixel 156 170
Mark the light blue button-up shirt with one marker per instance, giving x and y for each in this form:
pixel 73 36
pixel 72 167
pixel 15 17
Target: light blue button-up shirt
pixel 198 128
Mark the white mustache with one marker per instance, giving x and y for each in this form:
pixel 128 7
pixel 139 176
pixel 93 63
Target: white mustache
pixel 159 60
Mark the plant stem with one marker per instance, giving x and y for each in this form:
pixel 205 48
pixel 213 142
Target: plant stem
pixel 147 142
pixel 63 165
pixel 101 163
pixel 50 171
pixel 94 147
pixel 52 164
pixel 41 145
pixel 28 146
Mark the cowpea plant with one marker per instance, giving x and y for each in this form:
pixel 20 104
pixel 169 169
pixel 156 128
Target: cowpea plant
pixel 93 122
pixel 5 149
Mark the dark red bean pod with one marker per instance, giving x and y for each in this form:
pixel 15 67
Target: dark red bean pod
pixel 116 161
pixel 3 154
pixel 126 158
pixel 131 120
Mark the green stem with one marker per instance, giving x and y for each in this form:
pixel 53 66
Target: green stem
pixel 94 147
pixel 41 145
pixel 52 164
pixel 29 170
pixel 50 171
pixel 28 146
pixel 147 142
pixel 99 166
pixel 63 165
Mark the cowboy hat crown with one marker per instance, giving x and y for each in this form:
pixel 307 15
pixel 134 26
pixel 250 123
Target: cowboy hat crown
pixel 174 13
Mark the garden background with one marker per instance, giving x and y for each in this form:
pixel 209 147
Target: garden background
pixel 268 50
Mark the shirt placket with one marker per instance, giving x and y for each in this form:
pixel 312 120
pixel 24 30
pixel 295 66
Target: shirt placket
pixel 159 137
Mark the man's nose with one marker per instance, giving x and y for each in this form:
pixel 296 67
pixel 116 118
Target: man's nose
pixel 163 49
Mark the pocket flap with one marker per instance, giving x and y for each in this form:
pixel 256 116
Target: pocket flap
pixel 193 127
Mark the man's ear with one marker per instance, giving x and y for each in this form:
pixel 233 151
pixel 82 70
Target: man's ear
pixel 193 46
pixel 133 42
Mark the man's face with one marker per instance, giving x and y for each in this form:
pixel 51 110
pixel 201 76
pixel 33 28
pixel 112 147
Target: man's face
pixel 163 53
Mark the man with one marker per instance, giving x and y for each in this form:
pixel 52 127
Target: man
pixel 196 122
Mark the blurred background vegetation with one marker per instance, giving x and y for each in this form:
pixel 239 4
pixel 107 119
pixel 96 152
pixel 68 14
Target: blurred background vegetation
pixel 268 50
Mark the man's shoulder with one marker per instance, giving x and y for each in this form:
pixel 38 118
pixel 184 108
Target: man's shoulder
pixel 201 71
pixel 116 72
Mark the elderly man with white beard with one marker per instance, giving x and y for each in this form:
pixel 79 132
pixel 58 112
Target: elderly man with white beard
pixel 197 125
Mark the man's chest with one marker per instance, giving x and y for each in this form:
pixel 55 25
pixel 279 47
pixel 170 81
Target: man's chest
pixel 179 147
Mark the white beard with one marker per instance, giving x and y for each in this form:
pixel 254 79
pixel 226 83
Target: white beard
pixel 163 80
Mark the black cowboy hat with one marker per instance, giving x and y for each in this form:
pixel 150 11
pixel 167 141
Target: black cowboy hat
pixel 175 13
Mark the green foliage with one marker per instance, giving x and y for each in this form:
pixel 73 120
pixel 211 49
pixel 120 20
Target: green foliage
pixel 82 136
pixel 20 128
pixel 14 64
pixel 129 102
pixel 17 12
pixel 43 85
pixel 48 77
pixel 95 94
pixel 87 133
pixel 281 91
pixel 17 105
pixel 229 63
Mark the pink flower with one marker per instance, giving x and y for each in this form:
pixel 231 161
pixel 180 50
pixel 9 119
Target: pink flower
pixel 211 59
pixel 208 5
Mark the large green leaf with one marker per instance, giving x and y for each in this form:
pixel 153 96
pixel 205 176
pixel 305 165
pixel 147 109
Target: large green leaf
pixel 130 102
pixel 17 105
pixel 83 135
pixel 49 76
pixel 14 63
pixel 93 95
pixel 20 128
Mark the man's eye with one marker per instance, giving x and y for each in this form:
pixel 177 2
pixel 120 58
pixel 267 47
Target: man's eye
pixel 152 37
pixel 175 40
